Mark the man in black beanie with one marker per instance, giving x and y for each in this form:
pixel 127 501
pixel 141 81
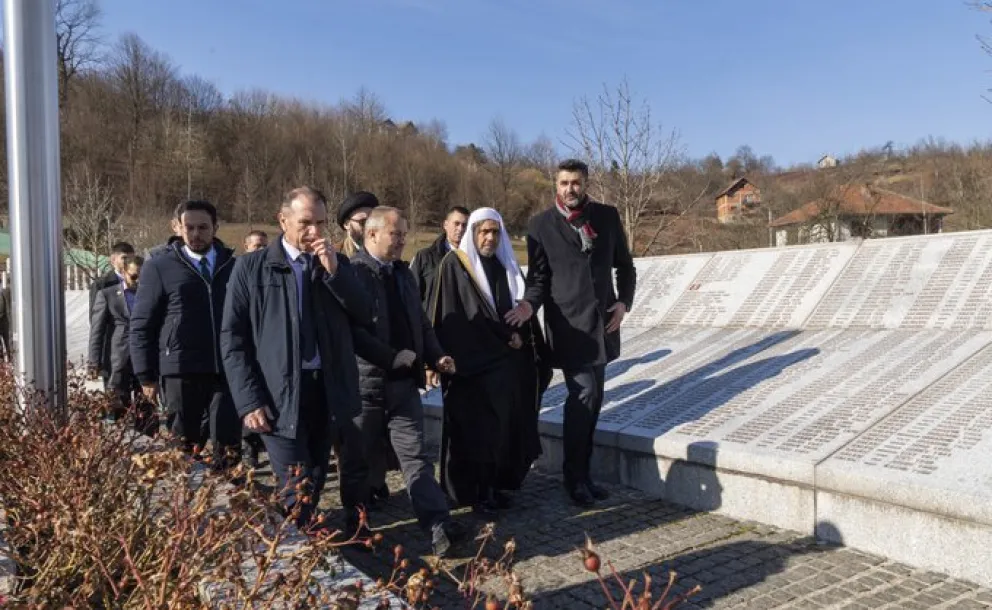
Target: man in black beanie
pixel 351 217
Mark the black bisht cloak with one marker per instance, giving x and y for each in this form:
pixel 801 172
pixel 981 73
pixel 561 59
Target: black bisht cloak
pixel 492 403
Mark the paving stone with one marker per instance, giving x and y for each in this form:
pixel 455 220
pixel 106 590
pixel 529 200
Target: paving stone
pixel 984 597
pixel 739 564
pixel 969 604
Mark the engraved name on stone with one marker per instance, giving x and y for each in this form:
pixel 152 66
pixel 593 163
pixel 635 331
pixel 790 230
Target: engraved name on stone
pixel 660 281
pixel 949 419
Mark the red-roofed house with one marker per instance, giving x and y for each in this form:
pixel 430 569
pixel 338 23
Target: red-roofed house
pixel 737 201
pixel 858 211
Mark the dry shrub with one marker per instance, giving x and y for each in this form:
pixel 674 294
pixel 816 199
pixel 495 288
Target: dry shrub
pixel 100 517
pixel 481 581
pixel 632 600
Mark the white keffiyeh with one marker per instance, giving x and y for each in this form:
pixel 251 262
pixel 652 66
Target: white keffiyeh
pixel 504 254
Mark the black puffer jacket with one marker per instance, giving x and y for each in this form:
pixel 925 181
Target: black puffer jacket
pixel 377 355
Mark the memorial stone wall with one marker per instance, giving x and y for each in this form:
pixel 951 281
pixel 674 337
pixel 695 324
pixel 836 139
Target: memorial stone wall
pixel 841 389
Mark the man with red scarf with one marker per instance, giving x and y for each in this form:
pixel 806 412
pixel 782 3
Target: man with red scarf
pixel 573 249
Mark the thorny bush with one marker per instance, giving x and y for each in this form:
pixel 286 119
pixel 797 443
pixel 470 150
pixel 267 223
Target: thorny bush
pixel 98 516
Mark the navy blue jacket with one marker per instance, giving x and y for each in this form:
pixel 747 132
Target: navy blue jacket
pixel 175 325
pixel 260 337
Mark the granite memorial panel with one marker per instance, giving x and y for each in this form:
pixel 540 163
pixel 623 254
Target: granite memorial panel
pixel 771 288
pixel 660 282
pixel 932 453
pixel 935 281
pixel 787 403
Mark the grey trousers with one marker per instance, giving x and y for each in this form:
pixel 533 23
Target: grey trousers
pixel 402 415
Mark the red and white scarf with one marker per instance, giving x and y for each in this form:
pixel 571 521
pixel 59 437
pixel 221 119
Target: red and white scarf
pixel 578 218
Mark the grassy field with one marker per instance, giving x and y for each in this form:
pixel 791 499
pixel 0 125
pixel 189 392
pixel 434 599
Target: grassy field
pixel 233 235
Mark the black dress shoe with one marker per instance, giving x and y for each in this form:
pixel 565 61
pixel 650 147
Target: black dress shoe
pixel 444 535
pixel 251 457
pixel 597 492
pixel 486 509
pixel 502 500
pixel 581 496
pixel 381 493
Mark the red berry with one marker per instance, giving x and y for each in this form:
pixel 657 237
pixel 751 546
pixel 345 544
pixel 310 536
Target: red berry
pixel 591 562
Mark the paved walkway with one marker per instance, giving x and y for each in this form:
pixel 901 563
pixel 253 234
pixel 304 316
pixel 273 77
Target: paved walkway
pixel 738 564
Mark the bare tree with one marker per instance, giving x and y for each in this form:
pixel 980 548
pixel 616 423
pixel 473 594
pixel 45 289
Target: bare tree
pixel 680 192
pixel 253 115
pixel 629 153
pixel 413 164
pixel 77 40
pixel 505 157
pixel 89 215
pixel 542 155
pixel 144 78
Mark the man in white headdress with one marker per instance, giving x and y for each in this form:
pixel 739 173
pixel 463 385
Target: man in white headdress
pixel 490 438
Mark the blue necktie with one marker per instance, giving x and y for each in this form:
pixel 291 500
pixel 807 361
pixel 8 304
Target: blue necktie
pixel 308 334
pixel 205 268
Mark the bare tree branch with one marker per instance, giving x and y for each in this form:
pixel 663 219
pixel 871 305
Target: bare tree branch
pixel 628 152
pixel 89 215
pixel 77 40
pixel 506 155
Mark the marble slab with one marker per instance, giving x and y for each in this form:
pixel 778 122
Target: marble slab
pixel 660 282
pixel 931 454
pixel 771 403
pixel 767 288
pixel 927 282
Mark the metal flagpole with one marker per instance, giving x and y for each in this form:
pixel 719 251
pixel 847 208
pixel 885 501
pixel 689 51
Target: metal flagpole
pixel 35 213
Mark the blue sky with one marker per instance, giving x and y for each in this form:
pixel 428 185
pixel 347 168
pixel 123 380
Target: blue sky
pixel 792 78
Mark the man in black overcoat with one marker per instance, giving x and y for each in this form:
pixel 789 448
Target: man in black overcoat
pixel 573 249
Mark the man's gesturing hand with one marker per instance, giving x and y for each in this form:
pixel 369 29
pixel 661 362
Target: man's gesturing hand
pixel 446 365
pixel 515 341
pixel 519 314
pixel 619 311
pixel 257 421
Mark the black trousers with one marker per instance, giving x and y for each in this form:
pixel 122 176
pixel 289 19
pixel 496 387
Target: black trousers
pixel 124 386
pixel 582 407
pixel 126 391
pixel 403 417
pixel 304 459
pixel 200 408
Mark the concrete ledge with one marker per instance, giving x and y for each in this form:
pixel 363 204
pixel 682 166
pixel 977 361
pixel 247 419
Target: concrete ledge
pixel 920 539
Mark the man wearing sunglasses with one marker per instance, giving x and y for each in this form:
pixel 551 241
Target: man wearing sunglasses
pixel 109 329
pixel 351 217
